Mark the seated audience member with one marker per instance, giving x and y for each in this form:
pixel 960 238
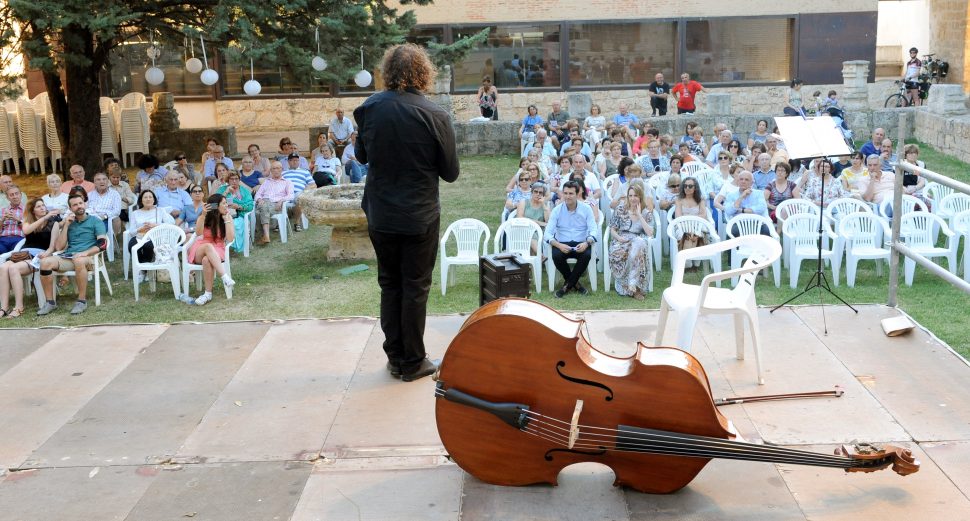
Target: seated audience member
pixel 5 182
pixel 183 182
pixel 773 149
pixel 724 139
pixel 764 175
pixel 11 220
pixel 523 165
pixel 271 198
pixel 583 196
pixel 353 168
pixel 77 179
pixel 123 190
pixel 210 146
pixel 55 199
pixel 886 156
pixel 40 230
pixel 628 172
pixel 779 190
pixel 249 175
pixel 676 163
pixel 874 145
pixel 543 162
pixel 287 148
pixel 856 171
pixel 879 185
pixel 760 135
pixel 213 230
pixel 571 232
pixel 521 192
pixel 591 182
pixel 530 124
pixel 542 144
pixel 147 216
pixel 301 180
pixel 611 160
pixel 557 118
pixel 260 163
pixel 105 203
pixel 81 238
pixel 913 183
pixel 151 175
pixel 326 167
pixel 571 140
pixel 318 151
pixel 187 169
pixel 698 147
pixel 218 157
pixel 746 200
pixel 535 206
pixel 653 160
pixel 812 186
pixel 689 200
pixel 172 198
pixel 221 176
pixel 338 133
pixel 629 256
pixel 683 150
pixel 594 126
pixel 840 165
pixel 741 154
pixel 192 212
pixel 626 118
pixel 647 134
pixel 667 198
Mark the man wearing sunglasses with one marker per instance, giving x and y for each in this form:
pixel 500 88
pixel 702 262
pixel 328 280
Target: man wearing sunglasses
pixel 286 149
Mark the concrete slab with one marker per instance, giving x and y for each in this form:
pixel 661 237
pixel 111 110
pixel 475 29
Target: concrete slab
pixel 47 388
pixel 282 402
pixel 585 492
pixel 18 343
pixel 831 494
pixel 147 411
pixel 921 383
pixel 429 494
pixel 724 490
pixel 261 491
pixel 88 493
pixel 953 458
pixel 796 361
pixel 384 416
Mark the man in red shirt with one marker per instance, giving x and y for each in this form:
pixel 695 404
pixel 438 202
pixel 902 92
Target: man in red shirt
pixel 684 92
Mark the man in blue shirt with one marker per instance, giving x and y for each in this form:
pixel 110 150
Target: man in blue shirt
pixel 218 156
pixel 571 232
pixel 746 200
pixel 626 118
pixel 172 197
pixel 872 147
pixel 764 175
pixel 302 180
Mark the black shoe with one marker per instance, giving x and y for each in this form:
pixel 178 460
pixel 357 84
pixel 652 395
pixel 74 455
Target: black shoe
pixel 394 368
pixel 561 292
pixel 581 289
pixel 426 368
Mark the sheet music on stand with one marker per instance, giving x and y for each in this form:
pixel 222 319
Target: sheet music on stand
pixel 808 138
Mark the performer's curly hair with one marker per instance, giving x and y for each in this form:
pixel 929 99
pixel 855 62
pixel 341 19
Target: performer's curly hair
pixel 407 66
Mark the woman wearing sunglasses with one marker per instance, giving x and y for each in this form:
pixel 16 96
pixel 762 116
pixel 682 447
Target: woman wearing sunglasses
pixel 689 200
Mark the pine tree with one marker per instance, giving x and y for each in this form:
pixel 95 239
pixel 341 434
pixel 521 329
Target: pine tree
pixel 70 42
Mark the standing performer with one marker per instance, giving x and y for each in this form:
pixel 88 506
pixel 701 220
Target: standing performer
pixel 408 143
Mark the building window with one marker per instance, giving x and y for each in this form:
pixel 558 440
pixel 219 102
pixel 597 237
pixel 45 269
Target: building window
pixel 274 79
pixel 127 63
pixel 739 49
pixel 515 57
pixel 620 53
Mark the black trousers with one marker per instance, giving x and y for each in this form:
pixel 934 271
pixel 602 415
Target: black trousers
pixel 659 110
pixel 404 267
pixel 146 253
pixel 684 111
pixel 571 276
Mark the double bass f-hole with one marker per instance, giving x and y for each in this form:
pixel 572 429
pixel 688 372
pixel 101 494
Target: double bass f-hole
pixel 561 364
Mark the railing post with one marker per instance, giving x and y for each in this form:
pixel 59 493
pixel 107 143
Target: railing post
pixel 897 216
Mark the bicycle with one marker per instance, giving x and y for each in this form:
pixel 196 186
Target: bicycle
pixel 902 98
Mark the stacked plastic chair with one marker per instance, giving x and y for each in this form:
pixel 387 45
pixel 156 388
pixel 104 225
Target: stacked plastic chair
pixel 9 145
pixel 133 126
pixel 109 127
pixel 42 106
pixel 30 128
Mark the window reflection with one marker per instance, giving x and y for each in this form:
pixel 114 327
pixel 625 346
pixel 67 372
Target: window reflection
pixel 739 50
pixel 127 63
pixel 514 56
pixel 620 53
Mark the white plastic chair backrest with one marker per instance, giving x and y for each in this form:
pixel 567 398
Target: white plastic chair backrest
pixel 918 227
pixel 961 224
pixel 748 224
pixel 909 204
pixel 8 135
pixel 802 228
pixel 762 251
pixel 691 167
pixel 133 100
pixel 107 105
pixel 50 127
pixel 608 185
pixel 167 240
pixel 691 224
pixel 936 191
pixel 861 230
pixel 518 232
pixel 42 104
pixel 792 207
pixel 839 208
pixel 955 203
pixel 171 165
pixel 27 124
pixel 658 182
pixel 468 236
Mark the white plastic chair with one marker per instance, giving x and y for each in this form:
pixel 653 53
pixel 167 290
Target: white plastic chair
pixel 690 168
pixel 920 237
pixel 98 271
pixel 802 233
pixel 469 235
pixel 786 209
pixel 133 127
pixel 42 105
pixel 961 226
pixel 605 199
pixel 842 207
pixel 910 204
pixel 109 127
pixel 951 205
pixel 689 301
pixel 519 233
pixel 693 224
pixel 189 269
pixel 751 224
pixel 936 192
pixel 167 240
pixel 653 242
pixel 861 238
pixel 17 247
pixel 9 144
pixel 30 131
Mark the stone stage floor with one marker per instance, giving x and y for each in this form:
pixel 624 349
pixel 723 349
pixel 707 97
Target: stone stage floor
pixel 299 420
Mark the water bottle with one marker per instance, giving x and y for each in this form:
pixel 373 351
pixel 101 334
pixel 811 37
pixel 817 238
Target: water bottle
pixel 184 297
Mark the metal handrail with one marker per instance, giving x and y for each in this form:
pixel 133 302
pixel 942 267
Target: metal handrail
pixel 897 247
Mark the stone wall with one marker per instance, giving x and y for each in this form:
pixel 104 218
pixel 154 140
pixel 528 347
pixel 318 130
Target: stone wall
pixel 487 137
pixel 950 38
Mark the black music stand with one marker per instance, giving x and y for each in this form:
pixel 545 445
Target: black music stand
pixel 814 138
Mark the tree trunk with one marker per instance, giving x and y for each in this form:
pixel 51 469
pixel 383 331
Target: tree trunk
pixel 79 119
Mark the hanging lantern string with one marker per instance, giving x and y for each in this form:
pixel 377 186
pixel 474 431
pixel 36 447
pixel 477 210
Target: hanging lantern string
pixel 192 46
pixel 154 49
pixel 316 32
pixel 361 57
pixel 204 59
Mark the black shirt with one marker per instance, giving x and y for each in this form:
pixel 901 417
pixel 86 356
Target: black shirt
pixel 658 88
pixel 408 143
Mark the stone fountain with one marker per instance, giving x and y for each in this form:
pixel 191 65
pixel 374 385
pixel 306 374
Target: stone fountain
pixel 339 206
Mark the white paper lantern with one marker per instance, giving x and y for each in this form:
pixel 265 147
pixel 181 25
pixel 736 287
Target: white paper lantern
pixel 362 79
pixel 209 77
pixel 252 87
pixel 154 76
pixel 193 65
pixel 318 63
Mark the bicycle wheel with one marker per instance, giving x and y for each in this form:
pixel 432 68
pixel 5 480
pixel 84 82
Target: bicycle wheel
pixel 896 101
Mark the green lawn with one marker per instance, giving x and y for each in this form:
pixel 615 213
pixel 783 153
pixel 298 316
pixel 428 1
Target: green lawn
pixel 295 280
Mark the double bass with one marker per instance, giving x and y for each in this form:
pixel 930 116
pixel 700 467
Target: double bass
pixel 521 394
